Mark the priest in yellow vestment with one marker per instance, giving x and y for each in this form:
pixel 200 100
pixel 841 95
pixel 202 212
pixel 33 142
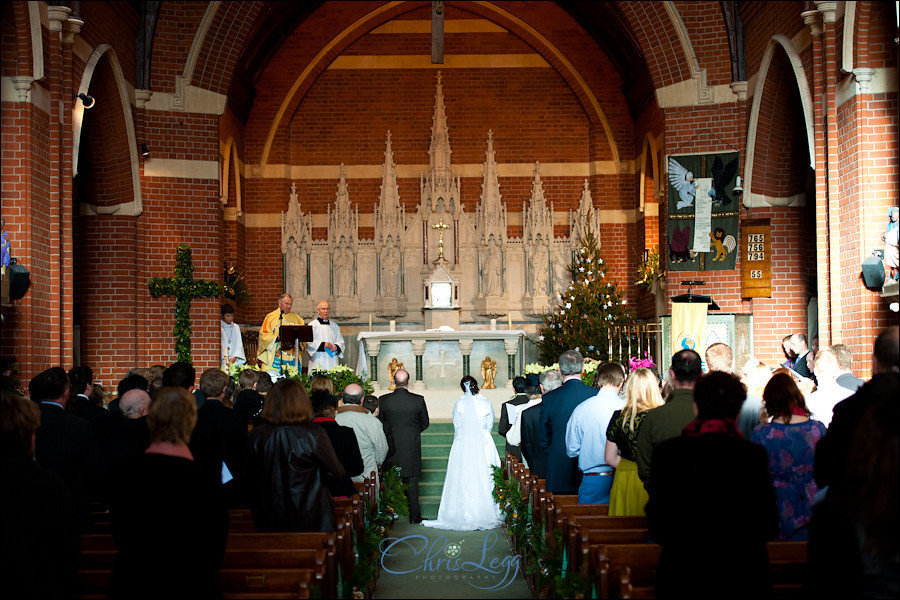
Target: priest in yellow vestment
pixel 269 343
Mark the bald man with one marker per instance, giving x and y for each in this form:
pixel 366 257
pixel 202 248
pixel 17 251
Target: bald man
pixel 134 404
pixel 369 431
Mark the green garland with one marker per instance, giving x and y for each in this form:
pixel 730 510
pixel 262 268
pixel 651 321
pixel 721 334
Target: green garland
pixel 391 504
pixel 185 288
pixel 546 560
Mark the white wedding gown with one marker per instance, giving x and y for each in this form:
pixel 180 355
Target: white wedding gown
pixel 467 502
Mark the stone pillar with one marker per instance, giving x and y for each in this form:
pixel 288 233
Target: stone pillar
pixel 511 345
pixel 418 347
pixel 465 346
pixel 373 347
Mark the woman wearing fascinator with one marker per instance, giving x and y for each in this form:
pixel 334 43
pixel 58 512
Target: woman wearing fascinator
pixel 467 502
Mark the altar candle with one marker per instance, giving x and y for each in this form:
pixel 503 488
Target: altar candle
pixel 493 324
pixel 509 320
pixel 370 321
pixel 393 325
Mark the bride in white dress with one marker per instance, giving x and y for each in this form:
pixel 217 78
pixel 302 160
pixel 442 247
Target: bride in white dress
pixel 467 502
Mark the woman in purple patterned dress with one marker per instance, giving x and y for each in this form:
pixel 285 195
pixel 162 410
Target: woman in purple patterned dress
pixel 790 439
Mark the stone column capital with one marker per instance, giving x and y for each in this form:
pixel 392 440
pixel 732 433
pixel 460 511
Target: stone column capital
pixel 70 28
pixel 418 347
pixel 465 346
pixel 57 15
pixel 373 347
pixel 813 20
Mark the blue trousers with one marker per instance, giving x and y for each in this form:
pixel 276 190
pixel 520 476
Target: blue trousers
pixel 595 489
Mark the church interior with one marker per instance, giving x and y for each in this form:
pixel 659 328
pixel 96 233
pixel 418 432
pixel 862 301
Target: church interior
pixel 365 152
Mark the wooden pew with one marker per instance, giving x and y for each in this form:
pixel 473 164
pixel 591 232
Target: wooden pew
pixel 581 531
pixel 265 583
pixel 787 568
pixel 609 561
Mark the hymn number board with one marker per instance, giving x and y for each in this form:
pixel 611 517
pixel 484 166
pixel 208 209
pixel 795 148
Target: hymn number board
pixel 756 263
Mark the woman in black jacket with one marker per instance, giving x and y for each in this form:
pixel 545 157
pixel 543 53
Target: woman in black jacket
pixel 291 463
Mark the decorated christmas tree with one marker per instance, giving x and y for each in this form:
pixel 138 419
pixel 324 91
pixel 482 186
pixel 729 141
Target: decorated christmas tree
pixel 587 309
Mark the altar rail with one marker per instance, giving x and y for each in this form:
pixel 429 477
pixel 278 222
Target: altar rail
pixel 634 339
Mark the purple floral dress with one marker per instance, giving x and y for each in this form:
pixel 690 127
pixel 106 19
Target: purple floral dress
pixel 791 449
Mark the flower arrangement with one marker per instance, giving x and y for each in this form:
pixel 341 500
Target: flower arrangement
pixel 341 375
pixel 641 363
pixel 234 286
pixel 650 271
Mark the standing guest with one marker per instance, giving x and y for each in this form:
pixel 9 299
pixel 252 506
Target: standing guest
pixel 166 549
pixel 129 382
pixel 369 431
pixel 327 346
pixel 790 441
pixel 180 374
pixel 220 438
pixel 343 440
pixel 854 534
pixel 831 453
pixel 291 464
pixel 789 354
pixel 755 375
pixel 720 357
pixel 509 413
pixel 800 347
pixel 846 378
pixel 711 502
pixel 533 454
pixel 669 420
pixel 81 386
pixel 249 402
pixel 828 392
pixel 127 435
pixel 40 543
pixel 586 434
pixel 321 383
pixel 373 405
pixel 563 476
pixel 271 355
pixel 407 416
pixel 628 496
pixel 232 342
pixel 65 443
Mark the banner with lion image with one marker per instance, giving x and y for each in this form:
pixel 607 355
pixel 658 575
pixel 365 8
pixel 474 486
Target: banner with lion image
pixel 703 213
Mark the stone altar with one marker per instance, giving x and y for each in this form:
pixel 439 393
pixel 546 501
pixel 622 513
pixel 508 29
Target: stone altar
pixel 439 359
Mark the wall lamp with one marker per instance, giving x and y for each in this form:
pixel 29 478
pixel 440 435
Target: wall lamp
pixel 144 150
pixel 86 101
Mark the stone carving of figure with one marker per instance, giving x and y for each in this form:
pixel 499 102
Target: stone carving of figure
pixel 394 366
pixel 343 272
pixel 492 269
pixel 390 269
pixel 537 262
pixel 298 274
pixel 488 372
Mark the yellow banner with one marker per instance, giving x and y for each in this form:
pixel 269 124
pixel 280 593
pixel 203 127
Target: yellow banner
pixel 688 326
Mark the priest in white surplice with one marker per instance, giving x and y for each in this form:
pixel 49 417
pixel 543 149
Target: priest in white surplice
pixel 327 346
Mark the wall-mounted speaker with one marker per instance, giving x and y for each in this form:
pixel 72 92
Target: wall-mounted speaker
pixel 873 273
pixel 20 280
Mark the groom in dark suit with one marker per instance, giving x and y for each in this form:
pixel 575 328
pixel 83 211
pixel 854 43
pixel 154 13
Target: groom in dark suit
pixel 563 475
pixel 407 416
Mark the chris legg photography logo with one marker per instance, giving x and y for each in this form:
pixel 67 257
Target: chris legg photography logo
pixel 440 559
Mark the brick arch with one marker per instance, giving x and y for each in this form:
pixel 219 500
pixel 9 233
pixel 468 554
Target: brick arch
pixel 663 40
pixel 118 93
pixel 649 175
pixel 220 39
pixel 389 11
pixel 776 73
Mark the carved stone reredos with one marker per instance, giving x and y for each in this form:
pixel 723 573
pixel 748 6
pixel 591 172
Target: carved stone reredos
pixel 538 214
pixel 491 217
pixel 343 223
pixel 295 224
pixel 390 216
pixel 585 219
pixel 439 187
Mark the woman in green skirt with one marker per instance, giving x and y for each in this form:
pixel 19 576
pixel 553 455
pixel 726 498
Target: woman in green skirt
pixel 628 496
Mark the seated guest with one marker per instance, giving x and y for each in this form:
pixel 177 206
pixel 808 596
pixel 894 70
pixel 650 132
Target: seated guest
pixel 628 496
pixel 291 462
pixel 40 543
pixel 65 443
pixel 168 521
pixel 790 441
pixel 712 506
pixel 343 440
pixel 249 402
pixel 220 437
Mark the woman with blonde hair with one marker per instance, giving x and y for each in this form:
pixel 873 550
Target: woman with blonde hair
pixel 628 496
pixel 291 464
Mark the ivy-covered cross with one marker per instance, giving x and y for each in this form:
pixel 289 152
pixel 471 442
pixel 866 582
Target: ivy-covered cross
pixel 185 288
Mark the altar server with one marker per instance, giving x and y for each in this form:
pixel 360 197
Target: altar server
pixel 327 346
